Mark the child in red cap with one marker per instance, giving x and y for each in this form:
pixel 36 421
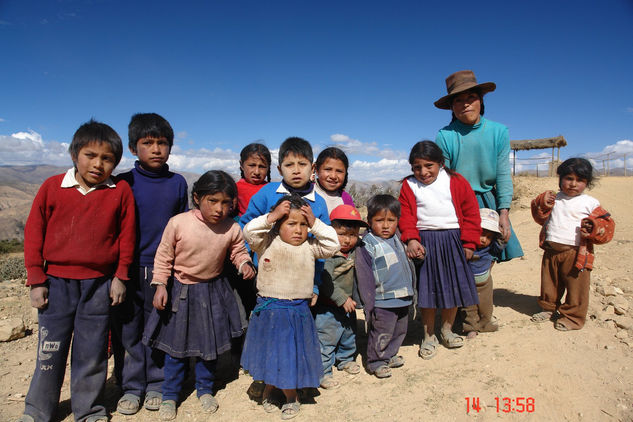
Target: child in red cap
pixel 336 310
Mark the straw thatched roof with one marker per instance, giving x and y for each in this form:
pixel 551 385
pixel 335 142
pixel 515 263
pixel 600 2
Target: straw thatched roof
pixel 527 144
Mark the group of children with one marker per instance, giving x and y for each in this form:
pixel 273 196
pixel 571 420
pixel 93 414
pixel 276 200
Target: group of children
pixel 126 253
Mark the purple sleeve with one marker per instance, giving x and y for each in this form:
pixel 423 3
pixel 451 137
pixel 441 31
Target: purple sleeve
pixel 365 279
pixel 347 198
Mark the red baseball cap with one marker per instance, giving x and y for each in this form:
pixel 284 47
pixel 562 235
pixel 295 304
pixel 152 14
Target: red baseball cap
pixel 347 212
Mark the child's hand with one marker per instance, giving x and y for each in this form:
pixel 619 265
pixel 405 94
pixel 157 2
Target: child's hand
pixel 279 212
pixel 248 272
pixel 415 249
pixel 313 301
pixel 117 291
pixel 468 253
pixel 586 227
pixel 306 211
pixel 160 297
pixel 39 296
pixel 349 305
pixel 550 198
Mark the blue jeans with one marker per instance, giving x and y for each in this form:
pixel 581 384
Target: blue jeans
pixel 79 307
pixel 175 376
pixel 336 332
pixel 138 368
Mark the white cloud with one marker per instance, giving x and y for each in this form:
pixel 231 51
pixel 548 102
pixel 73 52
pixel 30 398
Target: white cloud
pixel 24 148
pixel 354 146
pixel 624 146
pixel 2 120
pixel 382 170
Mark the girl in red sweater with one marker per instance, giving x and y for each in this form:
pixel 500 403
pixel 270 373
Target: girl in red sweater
pixel 440 222
pixel 255 168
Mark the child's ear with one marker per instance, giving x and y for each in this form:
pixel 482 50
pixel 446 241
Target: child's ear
pixel 133 151
pixel 279 170
pixel 196 200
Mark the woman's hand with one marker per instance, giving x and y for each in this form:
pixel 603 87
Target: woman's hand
pixel 468 253
pixel 160 297
pixel 117 291
pixel 415 250
pixel 504 224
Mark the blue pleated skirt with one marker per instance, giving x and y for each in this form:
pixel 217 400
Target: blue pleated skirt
pixel 513 249
pixel 199 320
pixel 282 347
pixel 446 280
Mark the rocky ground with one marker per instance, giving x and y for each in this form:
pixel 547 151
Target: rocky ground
pixel 571 376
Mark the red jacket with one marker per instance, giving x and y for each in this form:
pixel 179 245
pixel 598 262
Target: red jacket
pixel 466 208
pixel 603 230
pixel 71 235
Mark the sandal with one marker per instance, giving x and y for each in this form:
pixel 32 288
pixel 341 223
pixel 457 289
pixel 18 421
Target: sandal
pixel 396 361
pixel 329 383
pixel 350 367
pixel 209 403
pixel 269 405
pixel 167 410
pixel 290 410
pixel 97 418
pixel 26 418
pixel 561 327
pixel 542 316
pixel 428 348
pixel 129 404
pixel 153 399
pixel 450 340
pixel 383 371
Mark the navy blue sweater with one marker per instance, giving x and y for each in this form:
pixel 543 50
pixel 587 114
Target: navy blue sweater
pixel 158 197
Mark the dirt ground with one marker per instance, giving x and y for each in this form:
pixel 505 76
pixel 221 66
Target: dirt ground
pixel 570 376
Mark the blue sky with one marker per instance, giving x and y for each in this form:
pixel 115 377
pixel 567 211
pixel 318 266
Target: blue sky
pixel 362 75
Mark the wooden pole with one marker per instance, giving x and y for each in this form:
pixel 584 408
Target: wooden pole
pixel 514 162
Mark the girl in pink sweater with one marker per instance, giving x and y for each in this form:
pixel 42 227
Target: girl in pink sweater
pixel 196 312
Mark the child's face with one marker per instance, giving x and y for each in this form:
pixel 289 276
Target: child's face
pixel 425 171
pixel 152 153
pixel 255 169
pixel 486 238
pixel 331 174
pixel 347 237
pixel 572 185
pixel 215 207
pixel 294 228
pixel 95 163
pixel 296 170
pixel 384 224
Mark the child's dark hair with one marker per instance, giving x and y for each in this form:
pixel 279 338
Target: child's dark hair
pixel 336 154
pixel 296 201
pixel 348 224
pixel 383 202
pixel 297 146
pixel 581 167
pixel 430 151
pixel 212 182
pixel 259 150
pixel 148 125
pixel 481 101
pixel 93 131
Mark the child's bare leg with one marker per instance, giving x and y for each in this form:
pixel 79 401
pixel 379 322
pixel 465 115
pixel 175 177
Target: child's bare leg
pixel 268 390
pixel 428 321
pixel 448 317
pixel 291 395
pixel 449 338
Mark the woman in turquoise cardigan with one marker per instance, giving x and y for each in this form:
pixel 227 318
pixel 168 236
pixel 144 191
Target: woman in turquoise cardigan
pixel 478 149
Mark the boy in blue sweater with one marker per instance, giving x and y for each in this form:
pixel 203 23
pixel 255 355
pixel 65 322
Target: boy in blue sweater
pixel 159 194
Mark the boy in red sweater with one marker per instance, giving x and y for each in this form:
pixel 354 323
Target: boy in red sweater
pixel 78 246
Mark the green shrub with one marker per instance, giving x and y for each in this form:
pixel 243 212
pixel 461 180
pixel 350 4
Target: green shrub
pixel 12 267
pixel 11 246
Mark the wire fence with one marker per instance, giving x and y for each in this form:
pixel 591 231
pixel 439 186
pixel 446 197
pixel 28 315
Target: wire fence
pixel 609 164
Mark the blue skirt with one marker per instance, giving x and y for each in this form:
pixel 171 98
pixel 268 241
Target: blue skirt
pixel 282 347
pixel 446 280
pixel 513 248
pixel 199 320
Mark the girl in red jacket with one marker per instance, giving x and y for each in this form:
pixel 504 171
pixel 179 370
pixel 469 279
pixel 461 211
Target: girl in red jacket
pixel 440 222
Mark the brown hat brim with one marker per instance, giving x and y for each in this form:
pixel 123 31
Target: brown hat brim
pixel 445 102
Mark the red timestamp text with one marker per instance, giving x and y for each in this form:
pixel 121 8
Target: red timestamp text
pixel 504 404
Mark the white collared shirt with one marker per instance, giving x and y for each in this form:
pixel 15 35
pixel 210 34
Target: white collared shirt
pixel 70 181
pixel 310 196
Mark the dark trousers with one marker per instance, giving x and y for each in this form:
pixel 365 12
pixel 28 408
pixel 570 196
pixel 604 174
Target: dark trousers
pixel 77 310
pixel 559 275
pixel 386 334
pixel 175 376
pixel 138 368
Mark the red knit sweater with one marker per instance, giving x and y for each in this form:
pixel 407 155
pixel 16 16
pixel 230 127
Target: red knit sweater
pixel 466 208
pixel 70 235
pixel 245 191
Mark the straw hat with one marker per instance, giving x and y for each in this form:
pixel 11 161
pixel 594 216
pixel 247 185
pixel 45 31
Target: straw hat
pixel 459 82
